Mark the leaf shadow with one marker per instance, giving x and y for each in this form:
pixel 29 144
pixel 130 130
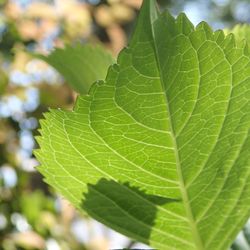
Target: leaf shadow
pixel 123 208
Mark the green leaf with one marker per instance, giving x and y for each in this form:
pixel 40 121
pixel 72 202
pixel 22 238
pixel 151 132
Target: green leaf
pixel 241 32
pixel 80 65
pixel 3 82
pixel 160 150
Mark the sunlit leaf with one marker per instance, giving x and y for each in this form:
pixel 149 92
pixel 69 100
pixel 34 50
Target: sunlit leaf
pixel 159 151
pixel 241 32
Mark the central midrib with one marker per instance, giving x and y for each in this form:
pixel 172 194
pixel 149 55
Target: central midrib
pixel 196 236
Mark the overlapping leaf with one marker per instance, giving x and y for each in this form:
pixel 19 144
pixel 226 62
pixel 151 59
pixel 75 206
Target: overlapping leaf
pixel 241 32
pixel 80 65
pixel 160 150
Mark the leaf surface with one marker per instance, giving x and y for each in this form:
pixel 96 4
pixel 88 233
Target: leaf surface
pixel 80 65
pixel 159 151
pixel 241 32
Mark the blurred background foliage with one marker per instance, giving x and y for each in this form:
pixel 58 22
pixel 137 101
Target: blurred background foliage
pixel 32 216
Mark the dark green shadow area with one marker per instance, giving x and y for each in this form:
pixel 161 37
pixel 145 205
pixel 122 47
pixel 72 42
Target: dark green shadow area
pixel 123 208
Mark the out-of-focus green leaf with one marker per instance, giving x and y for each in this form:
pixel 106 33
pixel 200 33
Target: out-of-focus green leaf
pixel 55 96
pixel 3 82
pixel 80 65
pixel 32 204
pixel 241 32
